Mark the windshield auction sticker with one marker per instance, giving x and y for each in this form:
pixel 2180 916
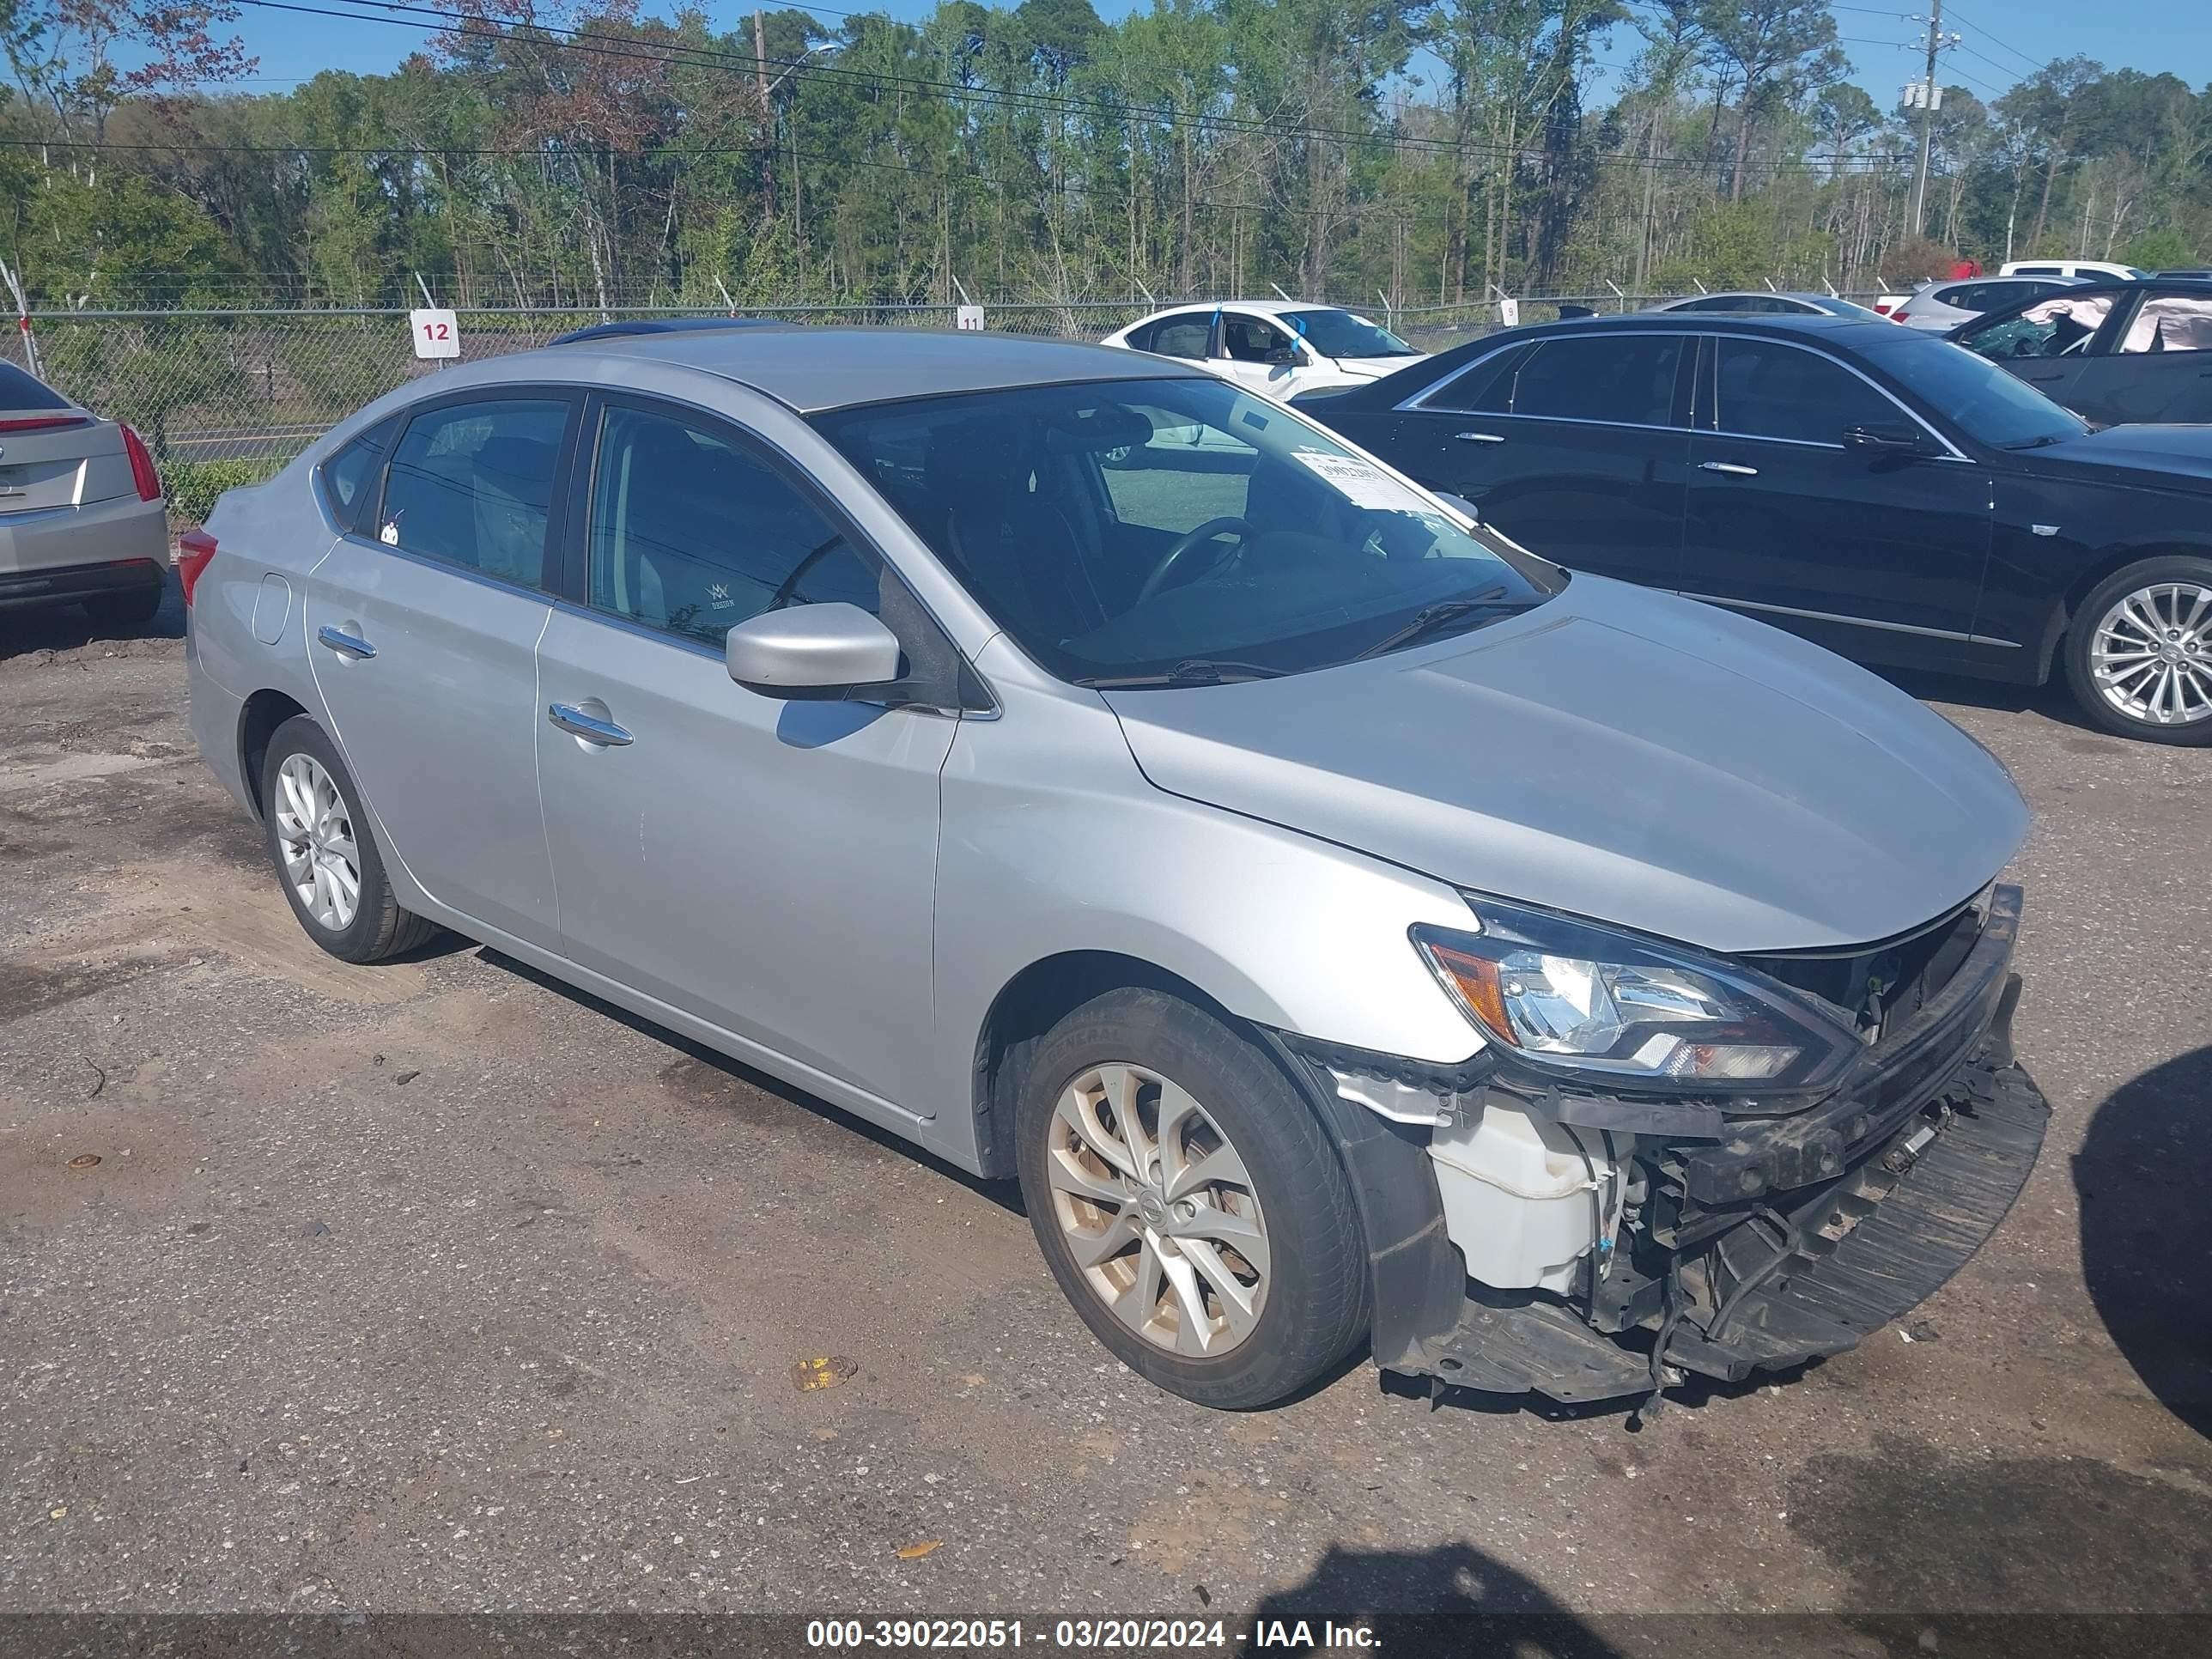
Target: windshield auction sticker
pixel 1365 485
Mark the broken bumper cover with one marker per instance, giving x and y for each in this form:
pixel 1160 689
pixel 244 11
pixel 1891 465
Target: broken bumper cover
pixel 1771 1241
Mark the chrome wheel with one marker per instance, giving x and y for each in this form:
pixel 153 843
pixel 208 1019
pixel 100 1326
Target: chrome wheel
pixel 2150 657
pixel 314 832
pixel 1159 1210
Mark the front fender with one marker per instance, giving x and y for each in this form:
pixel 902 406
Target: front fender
pixel 1052 841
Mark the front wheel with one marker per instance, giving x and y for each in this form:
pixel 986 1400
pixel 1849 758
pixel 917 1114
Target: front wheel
pixel 2139 653
pixel 1189 1204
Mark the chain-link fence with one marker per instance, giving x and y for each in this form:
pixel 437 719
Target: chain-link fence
pixel 223 397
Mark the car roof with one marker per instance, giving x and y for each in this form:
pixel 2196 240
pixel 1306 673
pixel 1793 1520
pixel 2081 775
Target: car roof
pixel 2193 286
pixel 627 326
pixel 1824 324
pixel 814 369
pixel 1264 308
pixel 1756 294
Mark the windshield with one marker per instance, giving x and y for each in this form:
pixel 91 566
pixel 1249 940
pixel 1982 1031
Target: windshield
pixel 1340 334
pixel 1986 403
pixel 1185 529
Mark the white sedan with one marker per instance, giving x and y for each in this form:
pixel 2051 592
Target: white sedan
pixel 1273 347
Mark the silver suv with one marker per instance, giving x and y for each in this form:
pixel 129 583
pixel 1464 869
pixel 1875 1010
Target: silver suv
pixel 1351 930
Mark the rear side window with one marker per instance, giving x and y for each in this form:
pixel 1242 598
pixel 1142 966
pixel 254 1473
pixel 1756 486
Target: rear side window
pixel 1628 380
pixel 1180 336
pixel 19 390
pixel 1766 389
pixel 349 477
pixel 473 485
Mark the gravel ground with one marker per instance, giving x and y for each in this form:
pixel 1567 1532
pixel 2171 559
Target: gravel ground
pixel 437 1286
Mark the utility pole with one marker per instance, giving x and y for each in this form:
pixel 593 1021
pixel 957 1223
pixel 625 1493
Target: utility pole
pixel 768 116
pixel 1928 97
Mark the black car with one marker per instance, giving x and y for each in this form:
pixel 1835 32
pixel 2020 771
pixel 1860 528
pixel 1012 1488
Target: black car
pixel 2112 351
pixel 1879 491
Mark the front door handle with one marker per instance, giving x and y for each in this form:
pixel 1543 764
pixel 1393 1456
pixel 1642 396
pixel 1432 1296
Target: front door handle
pixel 1477 437
pixel 345 644
pixel 1733 469
pixel 589 727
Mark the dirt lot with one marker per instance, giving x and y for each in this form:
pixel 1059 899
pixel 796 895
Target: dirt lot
pixel 437 1286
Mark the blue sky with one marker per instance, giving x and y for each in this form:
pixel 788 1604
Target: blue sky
pixel 2151 35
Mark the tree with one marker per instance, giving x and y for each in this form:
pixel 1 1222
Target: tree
pixel 1775 53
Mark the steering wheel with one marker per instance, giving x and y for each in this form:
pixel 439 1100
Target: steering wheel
pixel 1210 531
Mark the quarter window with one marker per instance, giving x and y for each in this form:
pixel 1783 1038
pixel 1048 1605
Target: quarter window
pixel 349 476
pixel 1766 389
pixel 1629 380
pixel 692 535
pixel 473 485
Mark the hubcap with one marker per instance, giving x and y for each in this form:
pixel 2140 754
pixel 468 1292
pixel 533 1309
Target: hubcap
pixel 314 829
pixel 1159 1209
pixel 2151 656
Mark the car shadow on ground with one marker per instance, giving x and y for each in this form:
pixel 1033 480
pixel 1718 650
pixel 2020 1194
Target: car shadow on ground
pixel 2053 700
pixel 1446 1589
pixel 70 628
pixel 2146 1240
pixel 1004 1193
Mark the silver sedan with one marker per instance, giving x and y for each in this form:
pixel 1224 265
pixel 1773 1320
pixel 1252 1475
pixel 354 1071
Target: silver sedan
pixel 1317 901
pixel 82 517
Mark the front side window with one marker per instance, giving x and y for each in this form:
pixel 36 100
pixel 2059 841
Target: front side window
pixel 1251 339
pixel 691 535
pixel 2061 326
pixel 473 485
pixel 2170 322
pixel 1174 529
pixel 1766 389
pixel 1626 380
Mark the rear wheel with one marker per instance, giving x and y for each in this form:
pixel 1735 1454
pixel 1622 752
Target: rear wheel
pixel 325 852
pixel 130 610
pixel 1189 1204
pixel 2139 654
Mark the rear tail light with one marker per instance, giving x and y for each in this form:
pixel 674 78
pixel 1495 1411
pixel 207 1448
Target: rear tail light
pixel 194 548
pixel 143 471
pixel 44 422
pixel 1898 316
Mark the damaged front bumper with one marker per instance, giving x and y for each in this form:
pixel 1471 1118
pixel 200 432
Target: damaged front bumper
pixel 1753 1244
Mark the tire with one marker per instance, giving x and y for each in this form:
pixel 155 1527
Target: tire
pixel 130 611
pixel 2171 597
pixel 374 926
pixel 1308 1307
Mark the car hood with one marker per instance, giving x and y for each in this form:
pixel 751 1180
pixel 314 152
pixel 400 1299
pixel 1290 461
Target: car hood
pixel 1619 754
pixel 2178 455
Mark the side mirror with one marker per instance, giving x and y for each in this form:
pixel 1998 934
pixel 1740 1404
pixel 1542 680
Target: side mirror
pixel 1459 501
pixel 1891 440
pixel 813 652
pixel 1286 354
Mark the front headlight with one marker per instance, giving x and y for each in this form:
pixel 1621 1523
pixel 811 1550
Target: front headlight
pixel 1575 996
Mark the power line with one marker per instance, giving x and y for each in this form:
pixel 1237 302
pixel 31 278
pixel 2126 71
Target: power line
pixel 621 46
pixel 2034 64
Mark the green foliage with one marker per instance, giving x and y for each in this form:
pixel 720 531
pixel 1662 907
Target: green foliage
pixel 2160 250
pixel 1430 150
pixel 192 486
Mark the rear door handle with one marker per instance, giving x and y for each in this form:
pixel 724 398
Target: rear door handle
pixel 1731 468
pixel 345 644
pixel 589 727
pixel 1477 437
